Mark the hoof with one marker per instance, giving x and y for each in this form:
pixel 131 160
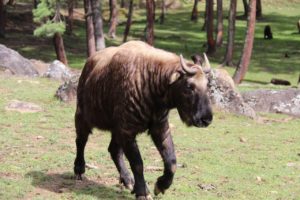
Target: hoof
pixel 128 182
pixel 129 187
pixel 78 177
pixel 148 197
pixel 157 190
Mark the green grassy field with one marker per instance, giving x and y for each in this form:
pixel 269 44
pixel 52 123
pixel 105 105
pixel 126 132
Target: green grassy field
pixel 239 157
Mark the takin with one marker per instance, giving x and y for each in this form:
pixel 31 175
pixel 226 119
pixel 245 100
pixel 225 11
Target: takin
pixel 130 89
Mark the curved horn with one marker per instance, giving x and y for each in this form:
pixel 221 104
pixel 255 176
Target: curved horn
pixel 206 68
pixel 187 69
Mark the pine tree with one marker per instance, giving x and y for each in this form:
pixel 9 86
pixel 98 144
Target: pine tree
pixel 47 14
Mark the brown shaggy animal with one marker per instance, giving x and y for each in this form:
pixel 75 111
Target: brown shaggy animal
pixel 130 89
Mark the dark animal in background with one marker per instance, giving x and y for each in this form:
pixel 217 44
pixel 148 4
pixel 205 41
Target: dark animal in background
pixel 298 25
pixel 268 33
pixel 130 89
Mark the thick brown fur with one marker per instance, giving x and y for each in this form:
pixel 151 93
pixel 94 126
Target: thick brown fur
pixel 130 89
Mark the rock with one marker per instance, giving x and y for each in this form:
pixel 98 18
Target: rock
pixel 15 63
pixel 224 96
pixel 23 107
pixel 57 70
pixel 40 66
pixel 207 187
pixel 274 101
pixel 68 90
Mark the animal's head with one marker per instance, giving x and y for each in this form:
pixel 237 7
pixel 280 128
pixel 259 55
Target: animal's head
pixel 188 89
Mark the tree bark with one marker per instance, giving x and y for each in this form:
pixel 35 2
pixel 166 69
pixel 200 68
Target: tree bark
pixel 194 16
pixel 98 25
pixel 70 16
pixel 219 40
pixel 113 19
pixel 2 19
pixel 248 45
pixel 211 43
pixel 149 34
pixel 231 34
pixel 245 3
pixel 122 4
pixel 258 9
pixel 35 3
pixel 163 12
pixel 90 37
pixel 129 21
pixel 59 48
pixel 204 27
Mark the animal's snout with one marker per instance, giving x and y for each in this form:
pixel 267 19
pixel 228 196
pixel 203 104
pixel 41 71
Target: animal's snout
pixel 204 120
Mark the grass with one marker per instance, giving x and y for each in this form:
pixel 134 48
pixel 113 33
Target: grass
pixel 241 158
pixel 38 149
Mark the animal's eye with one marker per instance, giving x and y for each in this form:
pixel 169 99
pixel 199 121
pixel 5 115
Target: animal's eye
pixel 190 86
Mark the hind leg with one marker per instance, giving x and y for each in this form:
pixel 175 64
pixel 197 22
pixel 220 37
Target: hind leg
pixel 82 134
pixel 117 156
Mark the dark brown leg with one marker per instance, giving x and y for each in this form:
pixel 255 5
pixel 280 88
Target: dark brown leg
pixel 133 155
pixel 162 138
pixel 117 153
pixel 82 132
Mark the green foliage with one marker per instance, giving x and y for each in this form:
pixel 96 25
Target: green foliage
pixel 49 28
pixel 47 15
pixel 44 10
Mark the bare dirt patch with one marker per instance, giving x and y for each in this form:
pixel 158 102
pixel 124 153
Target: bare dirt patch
pixel 23 107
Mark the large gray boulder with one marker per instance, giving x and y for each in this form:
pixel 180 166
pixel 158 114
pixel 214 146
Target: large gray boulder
pixel 275 101
pixel 16 64
pixel 224 95
pixel 58 71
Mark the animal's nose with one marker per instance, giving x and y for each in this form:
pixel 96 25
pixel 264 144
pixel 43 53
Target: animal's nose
pixel 207 119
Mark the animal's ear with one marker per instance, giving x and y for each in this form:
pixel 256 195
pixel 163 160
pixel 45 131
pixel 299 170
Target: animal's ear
pixel 174 77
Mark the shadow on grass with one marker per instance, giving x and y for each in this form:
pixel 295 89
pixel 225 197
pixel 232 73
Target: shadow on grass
pixel 66 183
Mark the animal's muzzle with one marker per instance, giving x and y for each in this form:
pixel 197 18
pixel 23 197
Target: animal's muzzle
pixel 203 121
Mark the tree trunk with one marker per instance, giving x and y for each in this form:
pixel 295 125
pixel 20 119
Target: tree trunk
pixel 98 25
pixel 59 48
pixel 35 3
pixel 211 43
pixel 70 16
pixel 2 19
pixel 129 20
pixel 194 16
pixel 122 4
pixel 113 19
pixel 163 11
pixel 219 34
pixel 258 9
pixel 248 45
pixel 231 34
pixel 149 34
pixel 204 27
pixel 245 3
pixel 90 37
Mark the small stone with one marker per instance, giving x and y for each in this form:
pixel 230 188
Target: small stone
pixel 259 179
pixel 207 187
pixel 23 107
pixel 243 139
pixel 39 137
pixel 290 164
pixel 90 166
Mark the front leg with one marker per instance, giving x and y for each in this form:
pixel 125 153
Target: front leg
pixel 162 138
pixel 133 155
